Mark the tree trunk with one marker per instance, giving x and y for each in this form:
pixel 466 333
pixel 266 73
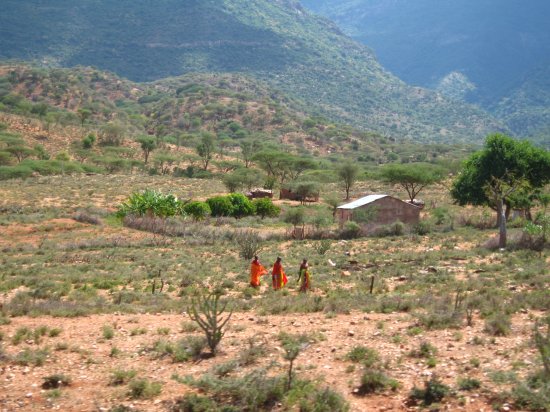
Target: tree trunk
pixel 502 225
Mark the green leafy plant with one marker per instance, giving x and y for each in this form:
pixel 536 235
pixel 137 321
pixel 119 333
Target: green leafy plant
pixel 151 203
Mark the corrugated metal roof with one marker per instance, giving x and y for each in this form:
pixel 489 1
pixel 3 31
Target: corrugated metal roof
pixel 362 202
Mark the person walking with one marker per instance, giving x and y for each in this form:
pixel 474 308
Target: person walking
pixel 257 270
pixel 278 275
pixel 304 277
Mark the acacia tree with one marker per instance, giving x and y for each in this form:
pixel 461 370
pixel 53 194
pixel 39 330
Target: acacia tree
pixel 503 167
pixel 348 175
pixel 413 177
pixel 83 114
pixel 148 144
pixel 249 148
pixel 206 148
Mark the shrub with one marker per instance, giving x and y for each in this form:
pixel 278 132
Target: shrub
pixel 498 325
pixel 31 357
pixel 150 202
pixel 197 210
pixel 248 242
pixel 468 384
pixel 265 208
pixel 369 357
pixel 15 172
pixel 323 400
pixel 351 230
pixel 425 350
pixel 254 391
pixel 189 347
pixel 323 246
pixel 88 141
pixel 107 331
pixel 194 403
pixel 533 397
pixel 434 391
pixel 84 217
pixel 422 228
pixel 207 311
pixel 374 380
pixel 220 206
pixel 122 377
pixel 144 389
pixel 241 206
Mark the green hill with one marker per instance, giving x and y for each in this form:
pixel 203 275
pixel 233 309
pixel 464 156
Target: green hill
pixel 58 108
pixel 276 41
pixel 481 51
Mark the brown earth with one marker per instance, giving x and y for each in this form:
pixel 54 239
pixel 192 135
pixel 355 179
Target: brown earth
pixel 88 362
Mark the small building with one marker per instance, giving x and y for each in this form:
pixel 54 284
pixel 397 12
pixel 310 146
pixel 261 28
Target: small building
pixel 260 194
pixel 288 194
pixel 385 210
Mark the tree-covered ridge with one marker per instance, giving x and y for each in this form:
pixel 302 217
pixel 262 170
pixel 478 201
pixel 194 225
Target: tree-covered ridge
pixel 231 106
pixel 276 41
pixel 527 109
pixel 215 122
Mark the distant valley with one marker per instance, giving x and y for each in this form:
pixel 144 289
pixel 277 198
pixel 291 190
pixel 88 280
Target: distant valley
pixel 495 54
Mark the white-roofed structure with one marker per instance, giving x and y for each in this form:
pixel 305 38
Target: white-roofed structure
pixel 361 202
pixel 383 209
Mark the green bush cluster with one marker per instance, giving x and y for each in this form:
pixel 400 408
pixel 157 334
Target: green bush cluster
pixel 151 202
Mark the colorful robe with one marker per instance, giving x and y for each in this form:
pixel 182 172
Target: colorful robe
pixel 256 271
pixel 305 279
pixel 279 276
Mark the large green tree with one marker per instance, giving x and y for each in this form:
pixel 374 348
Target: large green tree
pixel 494 174
pixel 413 177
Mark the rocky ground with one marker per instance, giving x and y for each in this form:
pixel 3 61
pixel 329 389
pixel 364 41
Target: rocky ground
pixel 82 353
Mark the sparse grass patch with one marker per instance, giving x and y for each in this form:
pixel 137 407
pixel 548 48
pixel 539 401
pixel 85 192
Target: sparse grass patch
pixel 122 376
pixel 468 384
pixel 375 380
pixel 361 354
pixel 31 357
pixel 144 389
pixel 107 332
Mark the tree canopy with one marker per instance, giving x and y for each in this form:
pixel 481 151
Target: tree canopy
pixel 503 158
pixel 504 168
pixel 413 177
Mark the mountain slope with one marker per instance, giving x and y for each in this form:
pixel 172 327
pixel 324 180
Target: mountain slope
pixel 273 40
pixel 479 50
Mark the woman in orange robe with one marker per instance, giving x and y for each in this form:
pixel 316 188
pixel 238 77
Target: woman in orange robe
pixel 278 275
pixel 256 271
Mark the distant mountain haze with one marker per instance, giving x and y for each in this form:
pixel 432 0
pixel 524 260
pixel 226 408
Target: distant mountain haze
pixel 482 51
pixel 277 41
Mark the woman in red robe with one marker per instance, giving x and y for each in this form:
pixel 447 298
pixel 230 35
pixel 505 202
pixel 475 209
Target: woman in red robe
pixel 278 275
pixel 256 271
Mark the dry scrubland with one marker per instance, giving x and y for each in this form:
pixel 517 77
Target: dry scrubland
pixel 81 304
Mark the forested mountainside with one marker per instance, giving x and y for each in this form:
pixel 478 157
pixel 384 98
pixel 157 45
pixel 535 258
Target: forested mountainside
pixel 481 51
pixel 276 41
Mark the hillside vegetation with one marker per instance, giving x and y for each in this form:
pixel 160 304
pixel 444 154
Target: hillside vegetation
pixel 99 119
pixel 276 41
